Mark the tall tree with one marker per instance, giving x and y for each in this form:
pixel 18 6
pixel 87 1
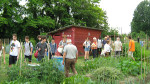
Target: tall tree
pixel 141 19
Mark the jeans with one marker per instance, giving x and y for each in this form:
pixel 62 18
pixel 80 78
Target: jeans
pixel 99 50
pixel 94 53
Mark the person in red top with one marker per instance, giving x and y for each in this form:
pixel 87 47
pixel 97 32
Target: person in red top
pixel 131 48
pixel 94 47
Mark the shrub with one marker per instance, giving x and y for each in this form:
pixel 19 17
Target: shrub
pixel 78 79
pixel 130 67
pixel 47 72
pixel 107 74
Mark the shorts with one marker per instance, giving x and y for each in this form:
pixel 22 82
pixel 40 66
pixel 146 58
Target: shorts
pixel 87 49
pixel 28 57
pixel 130 54
pixel 12 59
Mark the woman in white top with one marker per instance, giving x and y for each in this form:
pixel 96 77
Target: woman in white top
pixel 2 51
pixel 86 45
pixel 107 48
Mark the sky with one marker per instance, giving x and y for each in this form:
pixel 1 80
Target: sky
pixel 120 13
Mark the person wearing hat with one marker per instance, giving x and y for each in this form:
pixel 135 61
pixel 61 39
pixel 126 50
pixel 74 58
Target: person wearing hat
pixel 94 47
pixel 70 57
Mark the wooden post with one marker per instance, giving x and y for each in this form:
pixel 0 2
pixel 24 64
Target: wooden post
pixel 141 61
pixel 21 57
pixel 48 49
pixel 144 61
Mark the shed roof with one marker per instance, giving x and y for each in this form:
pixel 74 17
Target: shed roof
pixel 63 28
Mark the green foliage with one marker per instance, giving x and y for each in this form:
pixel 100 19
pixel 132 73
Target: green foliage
pixel 91 65
pixel 107 74
pixel 78 79
pixel 45 73
pixel 141 35
pixel 129 67
pixel 38 16
pixel 141 19
pixel 33 41
pixel 136 54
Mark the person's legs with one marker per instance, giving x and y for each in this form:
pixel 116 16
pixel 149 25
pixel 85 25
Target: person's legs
pixel 67 66
pixel 73 66
pixel 0 61
pixel 98 51
pixel 132 56
pixel 85 55
pixel 14 59
pixel 88 55
pixel 94 53
pixel 50 56
pixel 40 58
pixel 10 61
pixel 30 59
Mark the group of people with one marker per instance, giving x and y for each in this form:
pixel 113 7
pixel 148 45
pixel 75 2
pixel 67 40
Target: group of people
pixel 104 47
pixel 69 52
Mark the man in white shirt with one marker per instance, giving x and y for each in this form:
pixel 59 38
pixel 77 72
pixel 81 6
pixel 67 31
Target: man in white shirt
pixel 28 48
pixel 117 47
pixel 70 57
pixel 14 50
pixel 99 45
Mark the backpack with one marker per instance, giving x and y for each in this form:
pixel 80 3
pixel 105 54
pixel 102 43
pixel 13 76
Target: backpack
pixel 29 46
pixel 55 46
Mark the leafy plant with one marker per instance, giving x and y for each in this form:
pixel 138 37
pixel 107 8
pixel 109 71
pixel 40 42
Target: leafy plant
pixel 47 72
pixel 78 79
pixel 131 67
pixel 107 74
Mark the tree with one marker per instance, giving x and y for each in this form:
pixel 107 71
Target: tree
pixel 38 16
pixel 141 19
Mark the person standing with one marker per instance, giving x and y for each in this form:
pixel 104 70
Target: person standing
pixel 99 46
pixel 53 48
pixel 70 57
pixel 14 50
pixel 28 48
pixel 2 51
pixel 117 47
pixel 86 44
pixel 104 41
pixel 138 39
pixel 63 43
pixel 131 48
pixel 94 47
pixel 42 48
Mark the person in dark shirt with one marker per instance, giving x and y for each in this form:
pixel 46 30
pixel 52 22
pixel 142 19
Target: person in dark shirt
pixel 138 39
pixel 42 48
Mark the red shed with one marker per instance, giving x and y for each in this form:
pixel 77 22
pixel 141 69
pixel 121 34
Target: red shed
pixel 77 34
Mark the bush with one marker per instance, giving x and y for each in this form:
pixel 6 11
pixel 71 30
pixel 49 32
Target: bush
pixel 78 79
pixel 45 73
pixel 130 67
pixel 107 74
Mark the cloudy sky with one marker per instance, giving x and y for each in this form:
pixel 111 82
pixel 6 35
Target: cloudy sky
pixel 120 13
